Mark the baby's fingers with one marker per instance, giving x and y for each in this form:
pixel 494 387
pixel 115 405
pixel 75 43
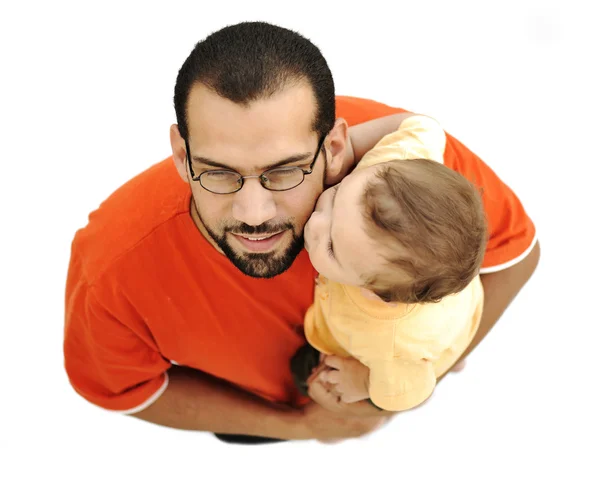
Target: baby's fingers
pixel 330 376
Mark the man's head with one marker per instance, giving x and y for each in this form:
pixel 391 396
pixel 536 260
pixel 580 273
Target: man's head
pixel 410 231
pixel 250 98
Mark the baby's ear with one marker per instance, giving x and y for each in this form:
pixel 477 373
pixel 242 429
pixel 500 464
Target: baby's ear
pixel 367 293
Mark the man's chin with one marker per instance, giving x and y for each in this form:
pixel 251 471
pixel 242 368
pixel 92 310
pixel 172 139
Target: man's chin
pixel 263 265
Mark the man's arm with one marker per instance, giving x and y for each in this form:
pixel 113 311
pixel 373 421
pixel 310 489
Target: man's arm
pixel 195 401
pixel 500 288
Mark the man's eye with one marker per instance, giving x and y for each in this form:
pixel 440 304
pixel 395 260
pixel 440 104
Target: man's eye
pixel 282 172
pixel 217 175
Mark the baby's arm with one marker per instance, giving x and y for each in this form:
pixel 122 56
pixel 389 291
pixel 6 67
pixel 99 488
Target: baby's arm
pixel 407 136
pixel 363 137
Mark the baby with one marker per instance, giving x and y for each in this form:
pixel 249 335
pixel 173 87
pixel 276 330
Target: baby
pixel 398 245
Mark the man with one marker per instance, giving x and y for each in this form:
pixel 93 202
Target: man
pixel 187 289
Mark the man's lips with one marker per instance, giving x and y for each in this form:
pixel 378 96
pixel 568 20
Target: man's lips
pixel 259 243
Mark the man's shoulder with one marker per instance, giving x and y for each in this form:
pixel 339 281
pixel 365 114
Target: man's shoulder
pixel 134 212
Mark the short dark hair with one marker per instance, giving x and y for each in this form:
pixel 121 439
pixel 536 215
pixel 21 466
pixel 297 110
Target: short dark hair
pixel 432 222
pixel 254 60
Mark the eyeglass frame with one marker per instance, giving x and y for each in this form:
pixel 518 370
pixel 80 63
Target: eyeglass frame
pixel 196 178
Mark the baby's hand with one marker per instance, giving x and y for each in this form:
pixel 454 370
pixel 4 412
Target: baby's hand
pixel 349 377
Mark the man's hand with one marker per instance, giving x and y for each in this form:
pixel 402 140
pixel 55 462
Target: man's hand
pixel 328 426
pixel 349 377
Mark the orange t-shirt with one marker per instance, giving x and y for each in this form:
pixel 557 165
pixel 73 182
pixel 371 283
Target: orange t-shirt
pixel 145 290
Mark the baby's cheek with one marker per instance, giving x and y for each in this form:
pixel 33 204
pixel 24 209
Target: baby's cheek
pixel 318 263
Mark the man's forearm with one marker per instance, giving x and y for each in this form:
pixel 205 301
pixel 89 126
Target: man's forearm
pixel 195 401
pixel 500 288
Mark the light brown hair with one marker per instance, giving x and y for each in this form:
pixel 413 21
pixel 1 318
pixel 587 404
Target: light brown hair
pixel 432 224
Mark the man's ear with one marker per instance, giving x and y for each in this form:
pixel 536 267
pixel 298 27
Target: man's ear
pixel 340 148
pixel 179 152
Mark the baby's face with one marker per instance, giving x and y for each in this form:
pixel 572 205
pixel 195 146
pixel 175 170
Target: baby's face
pixel 335 236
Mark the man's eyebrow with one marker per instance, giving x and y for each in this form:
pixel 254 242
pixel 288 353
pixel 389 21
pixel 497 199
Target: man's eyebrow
pixel 299 157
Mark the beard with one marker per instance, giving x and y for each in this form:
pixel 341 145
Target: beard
pixel 259 265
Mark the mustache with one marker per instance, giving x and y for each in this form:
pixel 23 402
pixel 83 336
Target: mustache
pixel 262 229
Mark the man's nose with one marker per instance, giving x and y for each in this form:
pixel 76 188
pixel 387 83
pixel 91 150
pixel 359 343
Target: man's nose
pixel 253 204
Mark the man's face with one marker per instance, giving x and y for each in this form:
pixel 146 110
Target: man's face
pixel 260 231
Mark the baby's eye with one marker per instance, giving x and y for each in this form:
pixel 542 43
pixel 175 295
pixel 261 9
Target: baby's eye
pixel 330 249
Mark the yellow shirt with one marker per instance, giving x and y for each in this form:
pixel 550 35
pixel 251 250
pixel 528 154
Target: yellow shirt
pixel 405 347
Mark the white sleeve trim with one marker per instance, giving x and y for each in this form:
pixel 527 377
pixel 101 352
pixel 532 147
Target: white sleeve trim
pixel 149 401
pixel 510 263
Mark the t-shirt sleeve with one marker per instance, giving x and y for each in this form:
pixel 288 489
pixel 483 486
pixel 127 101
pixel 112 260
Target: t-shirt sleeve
pixel 512 234
pixel 109 363
pixel 398 384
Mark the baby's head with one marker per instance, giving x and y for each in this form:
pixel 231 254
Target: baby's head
pixel 410 231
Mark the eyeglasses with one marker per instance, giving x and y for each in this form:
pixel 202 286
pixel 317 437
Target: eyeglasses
pixel 229 181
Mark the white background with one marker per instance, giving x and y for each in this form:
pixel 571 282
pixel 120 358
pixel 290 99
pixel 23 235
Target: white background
pixel 86 103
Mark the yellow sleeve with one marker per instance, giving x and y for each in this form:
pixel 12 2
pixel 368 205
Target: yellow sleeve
pixel 317 329
pixel 399 384
pixel 417 137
